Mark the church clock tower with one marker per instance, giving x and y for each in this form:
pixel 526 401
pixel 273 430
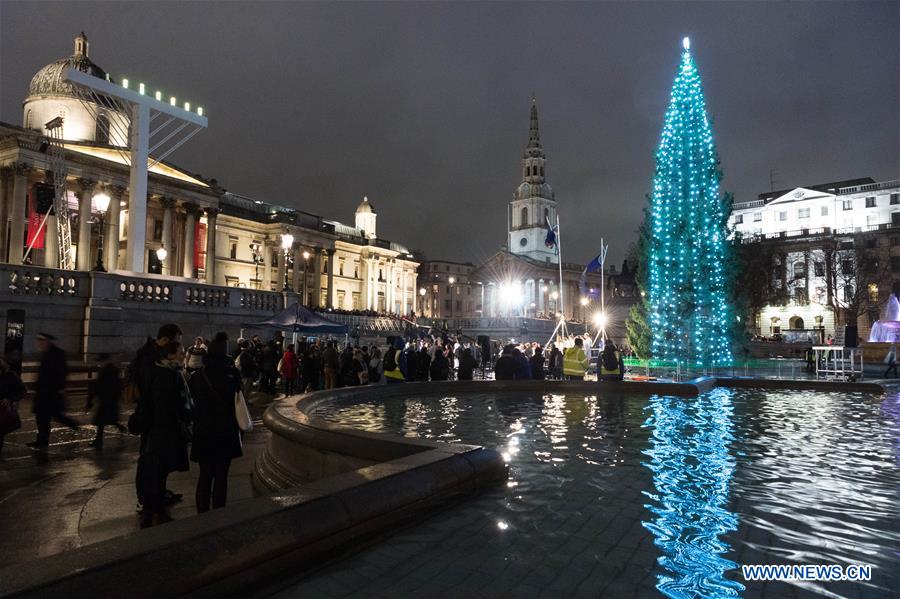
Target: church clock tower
pixel 533 202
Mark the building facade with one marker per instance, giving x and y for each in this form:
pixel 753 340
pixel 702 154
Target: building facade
pixel 196 230
pixel 832 252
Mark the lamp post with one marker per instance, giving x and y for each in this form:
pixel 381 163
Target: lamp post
pixel 287 240
pixel 422 301
pixel 256 253
pixel 306 255
pixel 451 280
pixel 102 201
pixel 161 254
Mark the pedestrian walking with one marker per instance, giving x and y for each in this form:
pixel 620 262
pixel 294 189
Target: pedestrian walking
pixel 49 394
pixel 216 437
pixel 11 392
pixel 246 365
pixel 107 390
pixel 169 431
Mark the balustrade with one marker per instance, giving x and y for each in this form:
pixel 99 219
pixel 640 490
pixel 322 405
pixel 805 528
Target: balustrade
pixel 42 282
pixel 145 291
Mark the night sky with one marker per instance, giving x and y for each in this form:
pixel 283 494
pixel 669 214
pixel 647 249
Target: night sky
pixel 423 107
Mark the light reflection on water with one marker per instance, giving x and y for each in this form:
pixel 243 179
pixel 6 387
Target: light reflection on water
pixel 692 475
pixel 729 478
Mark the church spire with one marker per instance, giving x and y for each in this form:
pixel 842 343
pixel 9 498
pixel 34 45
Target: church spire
pixel 81 45
pixel 534 135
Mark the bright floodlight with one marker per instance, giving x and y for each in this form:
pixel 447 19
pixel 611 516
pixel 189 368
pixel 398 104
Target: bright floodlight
pixel 102 202
pixel 452 280
pixel 584 301
pixel 422 292
pixel 161 253
pixel 599 319
pixel 287 240
pixel 686 42
pixel 305 255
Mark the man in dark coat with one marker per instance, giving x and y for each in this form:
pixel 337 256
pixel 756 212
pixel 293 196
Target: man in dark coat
pixel 48 393
pixel 217 438
pixel 537 363
pixel 467 365
pixel 165 442
pixel 140 373
pixel 505 368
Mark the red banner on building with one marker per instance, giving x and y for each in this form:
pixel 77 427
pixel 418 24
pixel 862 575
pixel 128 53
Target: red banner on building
pixel 36 232
pixel 200 246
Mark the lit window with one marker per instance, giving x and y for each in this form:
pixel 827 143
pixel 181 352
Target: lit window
pixel 848 204
pixel 803 213
pixel 738 219
pixel 870 202
pixel 895 199
pixel 757 217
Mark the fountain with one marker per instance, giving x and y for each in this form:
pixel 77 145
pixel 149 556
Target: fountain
pixel 887 330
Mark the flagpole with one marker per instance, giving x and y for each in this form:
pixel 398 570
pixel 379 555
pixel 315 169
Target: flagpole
pixel 559 254
pixel 602 285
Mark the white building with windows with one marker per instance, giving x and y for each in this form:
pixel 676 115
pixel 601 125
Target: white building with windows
pixel 821 240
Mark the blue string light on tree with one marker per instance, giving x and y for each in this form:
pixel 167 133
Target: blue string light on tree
pixel 689 314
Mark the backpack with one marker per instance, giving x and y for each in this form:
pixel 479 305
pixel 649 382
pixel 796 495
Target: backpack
pixel 610 361
pixel 390 360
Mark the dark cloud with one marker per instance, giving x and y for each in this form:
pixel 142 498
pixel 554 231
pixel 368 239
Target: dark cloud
pixel 424 107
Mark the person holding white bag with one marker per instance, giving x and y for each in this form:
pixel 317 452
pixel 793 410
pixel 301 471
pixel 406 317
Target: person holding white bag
pixel 219 416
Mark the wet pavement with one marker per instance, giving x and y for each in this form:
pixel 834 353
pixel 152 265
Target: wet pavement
pixel 72 495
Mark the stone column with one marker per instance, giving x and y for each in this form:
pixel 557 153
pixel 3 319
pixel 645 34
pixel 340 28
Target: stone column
pixel 51 243
pixel 84 195
pixel 168 217
pixel 111 235
pixel 317 279
pixel 298 271
pixel 190 215
pixel 17 213
pixel 282 267
pixel 211 214
pixel 329 296
pixel 267 265
pixel 5 202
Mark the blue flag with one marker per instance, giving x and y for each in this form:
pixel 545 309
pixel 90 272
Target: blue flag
pixel 550 240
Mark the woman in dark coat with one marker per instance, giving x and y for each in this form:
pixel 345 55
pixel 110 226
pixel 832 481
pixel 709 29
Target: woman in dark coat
pixel 440 367
pixel 165 444
pixel 107 389
pixel 217 438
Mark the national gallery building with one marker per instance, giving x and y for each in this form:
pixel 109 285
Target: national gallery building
pixel 196 231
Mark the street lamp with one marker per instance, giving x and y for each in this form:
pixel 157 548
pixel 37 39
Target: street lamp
pixel 305 269
pixel 452 280
pixel 161 254
pixel 102 201
pixel 256 253
pixel 422 301
pixel 287 240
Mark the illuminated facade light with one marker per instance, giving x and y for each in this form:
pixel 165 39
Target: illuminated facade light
pixel 173 101
pixel 200 110
pixel 141 88
pixel 125 83
pixel 159 96
pixel 187 106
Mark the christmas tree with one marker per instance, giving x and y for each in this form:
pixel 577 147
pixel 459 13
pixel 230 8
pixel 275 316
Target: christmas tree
pixel 689 314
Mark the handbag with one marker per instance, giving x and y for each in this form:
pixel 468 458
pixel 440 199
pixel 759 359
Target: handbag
pixel 245 423
pixel 9 419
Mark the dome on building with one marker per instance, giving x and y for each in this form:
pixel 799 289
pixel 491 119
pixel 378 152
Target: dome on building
pixel 49 80
pixel 365 206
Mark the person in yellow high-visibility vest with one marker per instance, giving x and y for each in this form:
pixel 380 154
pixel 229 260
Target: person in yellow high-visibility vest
pixel 575 362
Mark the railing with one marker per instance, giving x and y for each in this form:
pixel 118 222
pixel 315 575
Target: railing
pixel 775 368
pixel 750 204
pixel 145 291
pixel 43 281
pixel 869 187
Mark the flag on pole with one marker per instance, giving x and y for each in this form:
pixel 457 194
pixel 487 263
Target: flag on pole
pixel 550 240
